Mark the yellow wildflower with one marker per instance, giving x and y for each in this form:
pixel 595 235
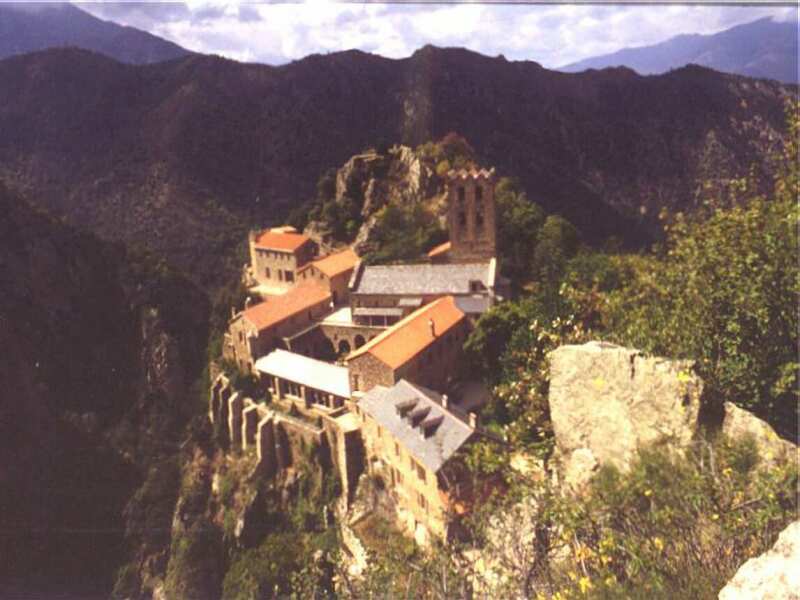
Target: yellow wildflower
pixel 648 492
pixel 714 517
pixel 658 543
pixel 584 584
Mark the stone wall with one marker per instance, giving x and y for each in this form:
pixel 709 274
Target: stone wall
pixel 366 372
pixel 279 440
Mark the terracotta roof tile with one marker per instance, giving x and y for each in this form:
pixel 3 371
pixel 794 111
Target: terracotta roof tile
pixel 440 249
pixel 280 308
pixel 337 263
pixel 276 240
pixel 404 340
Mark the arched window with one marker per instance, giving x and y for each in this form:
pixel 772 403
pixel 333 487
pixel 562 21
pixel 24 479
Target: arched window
pixel 344 347
pixel 359 341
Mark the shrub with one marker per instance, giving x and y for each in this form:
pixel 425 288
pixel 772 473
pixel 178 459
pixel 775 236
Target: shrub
pixel 265 571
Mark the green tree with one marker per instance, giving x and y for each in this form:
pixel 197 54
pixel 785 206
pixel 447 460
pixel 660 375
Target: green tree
pixel 404 233
pixel 519 221
pixel 726 294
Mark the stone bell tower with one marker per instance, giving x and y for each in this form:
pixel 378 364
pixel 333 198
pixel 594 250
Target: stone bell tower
pixel 471 215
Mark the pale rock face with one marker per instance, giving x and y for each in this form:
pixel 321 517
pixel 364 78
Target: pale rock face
pixel 606 402
pixel 739 423
pixel 775 575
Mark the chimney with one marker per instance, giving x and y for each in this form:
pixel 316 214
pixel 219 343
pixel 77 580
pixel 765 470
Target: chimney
pixel 444 401
pixel 473 420
pixel 432 325
pixel 247 302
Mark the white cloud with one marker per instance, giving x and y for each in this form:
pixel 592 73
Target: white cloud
pixel 550 34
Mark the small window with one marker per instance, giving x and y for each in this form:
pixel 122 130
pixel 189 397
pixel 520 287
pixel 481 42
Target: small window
pixel 266 271
pixel 397 449
pixel 421 472
pixel 280 275
pixel 478 195
pixel 461 195
pixel 289 276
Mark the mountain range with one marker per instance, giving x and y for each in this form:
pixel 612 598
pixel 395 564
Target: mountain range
pixel 763 49
pixel 180 157
pixel 27 27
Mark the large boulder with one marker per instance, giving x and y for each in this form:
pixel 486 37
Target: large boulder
pixel 738 424
pixel 607 401
pixel 775 575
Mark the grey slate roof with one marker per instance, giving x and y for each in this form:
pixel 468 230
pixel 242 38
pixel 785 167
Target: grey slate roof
pixel 473 305
pixel 448 432
pixel 420 279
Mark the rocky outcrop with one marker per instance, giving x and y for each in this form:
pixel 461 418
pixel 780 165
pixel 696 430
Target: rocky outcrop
pixel 772 576
pixel 372 180
pixel 738 424
pixel 607 401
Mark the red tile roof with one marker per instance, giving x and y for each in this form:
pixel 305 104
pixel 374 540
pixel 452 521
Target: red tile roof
pixel 275 310
pixel 407 338
pixel 337 263
pixel 439 250
pixel 276 240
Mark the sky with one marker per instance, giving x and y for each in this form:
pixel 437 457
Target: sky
pixel 553 35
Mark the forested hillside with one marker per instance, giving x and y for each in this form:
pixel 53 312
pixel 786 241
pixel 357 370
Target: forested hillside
pixel 105 351
pixel 181 157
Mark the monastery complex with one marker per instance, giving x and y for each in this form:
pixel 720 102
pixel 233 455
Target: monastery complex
pixel 366 360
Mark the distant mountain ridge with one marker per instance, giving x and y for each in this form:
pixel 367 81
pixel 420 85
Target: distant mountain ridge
pixel 31 27
pixel 763 49
pixel 181 157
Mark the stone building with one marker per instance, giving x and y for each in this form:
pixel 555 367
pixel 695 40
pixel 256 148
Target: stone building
pixel 381 295
pixel 275 257
pixel 259 329
pixel 333 271
pixel 411 440
pixel 424 348
pixel 471 215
